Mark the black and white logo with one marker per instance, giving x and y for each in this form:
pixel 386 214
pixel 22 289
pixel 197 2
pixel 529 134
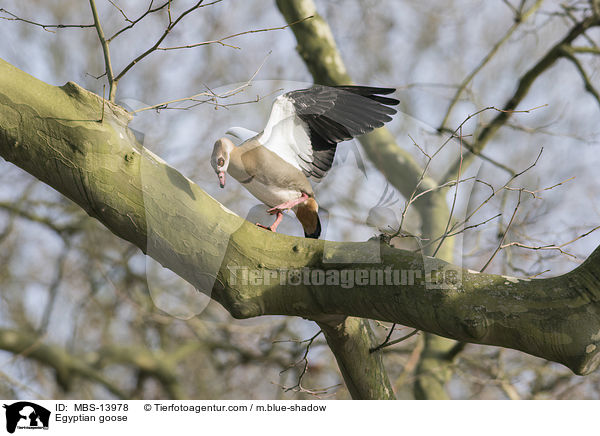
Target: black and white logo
pixel 26 415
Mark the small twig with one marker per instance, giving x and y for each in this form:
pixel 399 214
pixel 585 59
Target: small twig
pixel 558 248
pixel 472 226
pixel 121 10
pixel 536 248
pixel 140 18
pixel 451 214
pixel 493 193
pixel 220 41
pixel 537 191
pixel 96 77
pixel 538 274
pixel 298 386
pixel 504 233
pixel 480 154
pixel 213 97
pixel 387 343
pixel 450 174
pixel 154 47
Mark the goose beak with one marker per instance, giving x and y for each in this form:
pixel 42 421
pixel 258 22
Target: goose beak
pixel 221 175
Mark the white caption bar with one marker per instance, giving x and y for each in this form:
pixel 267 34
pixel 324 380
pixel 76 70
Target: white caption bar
pixel 265 418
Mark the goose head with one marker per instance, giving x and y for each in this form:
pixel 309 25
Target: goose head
pixel 220 158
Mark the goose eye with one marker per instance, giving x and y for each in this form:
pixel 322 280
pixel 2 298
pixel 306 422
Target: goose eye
pixel 220 161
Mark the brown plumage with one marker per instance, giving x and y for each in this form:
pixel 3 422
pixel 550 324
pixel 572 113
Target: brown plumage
pixel 280 185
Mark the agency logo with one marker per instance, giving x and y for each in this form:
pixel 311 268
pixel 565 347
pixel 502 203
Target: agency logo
pixel 26 416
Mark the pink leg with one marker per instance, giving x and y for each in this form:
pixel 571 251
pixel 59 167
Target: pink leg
pixel 275 224
pixel 288 204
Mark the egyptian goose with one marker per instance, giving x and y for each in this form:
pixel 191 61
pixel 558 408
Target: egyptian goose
pixel 298 143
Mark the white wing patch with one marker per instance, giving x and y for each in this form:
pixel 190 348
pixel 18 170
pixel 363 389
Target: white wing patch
pixel 287 135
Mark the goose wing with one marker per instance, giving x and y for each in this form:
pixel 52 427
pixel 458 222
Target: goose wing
pixel 306 125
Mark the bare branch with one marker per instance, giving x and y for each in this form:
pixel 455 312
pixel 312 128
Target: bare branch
pixel 121 10
pixel 494 192
pixel 212 96
pixel 552 246
pixel 220 41
pixel 567 52
pixel 112 82
pixel 504 233
pixel 388 343
pixel 584 49
pixel 537 191
pixel 451 214
pixel 472 226
pixel 414 196
pixel 525 83
pixel 65 365
pixel 137 20
pixel 154 47
pixel 569 12
pixel 519 19
pixel 471 148
pixel 304 361
pixel 46 27
pixel 53 290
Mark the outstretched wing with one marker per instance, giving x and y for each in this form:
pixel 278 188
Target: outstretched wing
pixel 306 125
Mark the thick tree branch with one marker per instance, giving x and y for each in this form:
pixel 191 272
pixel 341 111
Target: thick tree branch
pixel 350 340
pixel 52 133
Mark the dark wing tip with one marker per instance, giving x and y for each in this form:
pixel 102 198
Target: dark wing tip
pixel 386 100
pixel 372 93
pixel 366 90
